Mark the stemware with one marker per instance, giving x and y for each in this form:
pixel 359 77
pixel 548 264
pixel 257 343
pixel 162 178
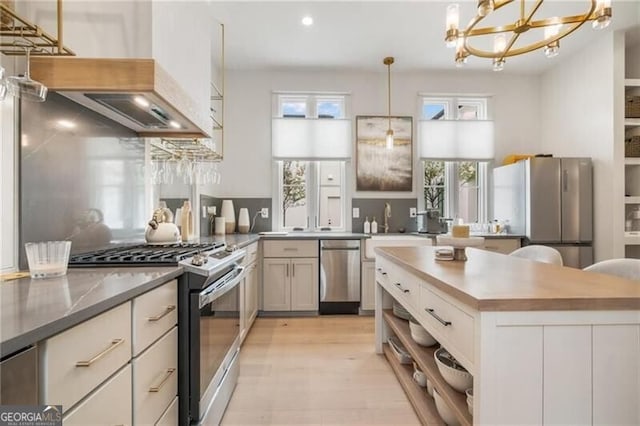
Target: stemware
pixel 23 86
pixel 3 85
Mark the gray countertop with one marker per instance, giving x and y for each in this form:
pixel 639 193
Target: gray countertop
pixel 317 236
pixel 33 310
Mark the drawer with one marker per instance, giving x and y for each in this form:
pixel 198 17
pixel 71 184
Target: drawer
pixel 155 379
pixel 76 361
pixel 154 313
pixel 447 322
pixel 170 416
pixel 252 254
pixel 404 287
pixel 110 404
pixel 291 248
pixel 504 246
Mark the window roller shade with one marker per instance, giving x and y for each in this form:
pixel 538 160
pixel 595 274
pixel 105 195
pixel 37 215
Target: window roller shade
pixel 453 140
pixel 311 139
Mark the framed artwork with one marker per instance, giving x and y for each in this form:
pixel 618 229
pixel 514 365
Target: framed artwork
pixel 379 168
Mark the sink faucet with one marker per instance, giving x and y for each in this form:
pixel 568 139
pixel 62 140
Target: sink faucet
pixel 387 215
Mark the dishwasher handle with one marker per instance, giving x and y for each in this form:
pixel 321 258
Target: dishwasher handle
pixel 340 248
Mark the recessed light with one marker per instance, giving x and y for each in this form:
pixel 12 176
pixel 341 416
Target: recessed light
pixel 141 101
pixel 175 124
pixel 307 21
pixel 67 124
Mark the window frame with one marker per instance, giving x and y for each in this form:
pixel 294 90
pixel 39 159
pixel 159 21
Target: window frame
pixel 313 178
pixel 451 168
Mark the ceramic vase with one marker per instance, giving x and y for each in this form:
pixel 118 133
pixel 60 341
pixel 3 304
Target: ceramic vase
pixel 220 225
pixel 243 221
pixel 229 215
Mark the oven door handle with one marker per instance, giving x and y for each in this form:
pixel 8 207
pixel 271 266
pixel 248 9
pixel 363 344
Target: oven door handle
pixel 212 292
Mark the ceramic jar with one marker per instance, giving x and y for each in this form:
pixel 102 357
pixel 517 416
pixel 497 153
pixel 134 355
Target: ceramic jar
pixel 229 215
pixel 243 221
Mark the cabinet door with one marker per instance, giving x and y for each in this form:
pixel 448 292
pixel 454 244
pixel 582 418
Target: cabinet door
pixel 304 284
pixel 276 288
pixel 252 295
pixel 368 300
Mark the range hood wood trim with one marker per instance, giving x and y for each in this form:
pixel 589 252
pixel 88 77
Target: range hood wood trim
pixel 87 75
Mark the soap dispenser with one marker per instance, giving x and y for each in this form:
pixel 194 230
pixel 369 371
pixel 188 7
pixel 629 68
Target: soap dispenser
pixel 374 226
pixel 367 225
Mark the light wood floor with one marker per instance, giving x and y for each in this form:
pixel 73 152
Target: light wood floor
pixel 316 371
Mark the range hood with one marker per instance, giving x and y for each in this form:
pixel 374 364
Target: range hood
pixel 136 93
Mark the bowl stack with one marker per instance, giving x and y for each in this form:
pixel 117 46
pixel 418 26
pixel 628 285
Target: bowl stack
pixel 420 335
pixel 452 372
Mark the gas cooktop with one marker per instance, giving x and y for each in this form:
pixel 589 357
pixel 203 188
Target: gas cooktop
pixel 142 255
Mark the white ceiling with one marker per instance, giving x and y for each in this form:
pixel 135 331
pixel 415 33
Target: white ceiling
pixel 357 35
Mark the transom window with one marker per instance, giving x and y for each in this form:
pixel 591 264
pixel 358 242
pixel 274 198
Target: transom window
pixel 457 189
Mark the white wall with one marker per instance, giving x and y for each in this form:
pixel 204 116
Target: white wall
pixel 632 66
pixel 577 117
pixel 246 169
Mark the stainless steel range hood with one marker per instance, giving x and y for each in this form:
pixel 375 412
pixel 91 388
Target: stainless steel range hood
pixel 136 93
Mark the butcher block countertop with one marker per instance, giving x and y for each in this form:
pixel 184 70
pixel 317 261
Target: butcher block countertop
pixel 495 282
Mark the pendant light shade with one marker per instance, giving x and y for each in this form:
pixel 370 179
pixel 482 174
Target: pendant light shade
pixel 389 142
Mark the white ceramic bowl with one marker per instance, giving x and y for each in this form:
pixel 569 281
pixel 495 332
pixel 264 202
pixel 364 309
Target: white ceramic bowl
pixel 419 377
pixel 452 372
pixel 444 410
pixel 420 335
pixel 469 393
pixel 430 388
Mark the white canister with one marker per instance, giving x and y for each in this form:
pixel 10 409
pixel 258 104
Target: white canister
pixel 243 221
pixel 229 214
pixel 220 225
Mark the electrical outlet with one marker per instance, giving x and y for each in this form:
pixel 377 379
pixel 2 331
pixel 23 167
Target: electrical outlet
pixel 413 212
pixel 355 213
pixel 265 212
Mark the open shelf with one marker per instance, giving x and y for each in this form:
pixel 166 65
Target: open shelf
pixel 424 358
pixel 632 82
pixel 632 238
pixel 632 161
pixel 632 200
pixel 423 404
pixel 631 122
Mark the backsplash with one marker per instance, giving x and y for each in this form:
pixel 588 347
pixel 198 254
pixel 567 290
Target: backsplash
pixel 370 207
pixel 252 204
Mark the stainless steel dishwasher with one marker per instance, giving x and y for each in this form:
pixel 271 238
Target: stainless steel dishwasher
pixel 339 276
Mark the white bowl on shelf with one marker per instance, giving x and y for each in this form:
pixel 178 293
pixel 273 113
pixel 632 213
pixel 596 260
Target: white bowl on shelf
pixel 452 372
pixel 469 393
pixel 430 388
pixel 444 410
pixel 420 335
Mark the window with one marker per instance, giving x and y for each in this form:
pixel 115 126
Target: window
pixel 310 194
pixel 457 189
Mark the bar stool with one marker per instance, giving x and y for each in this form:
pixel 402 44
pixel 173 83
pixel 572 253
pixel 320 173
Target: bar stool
pixel 625 268
pixel 539 254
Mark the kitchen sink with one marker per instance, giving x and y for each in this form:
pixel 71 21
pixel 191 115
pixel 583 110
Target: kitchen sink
pixel 393 241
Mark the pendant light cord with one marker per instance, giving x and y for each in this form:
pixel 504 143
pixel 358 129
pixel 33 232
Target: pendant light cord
pixel 388 61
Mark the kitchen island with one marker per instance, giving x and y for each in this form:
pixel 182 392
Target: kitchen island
pixel 545 344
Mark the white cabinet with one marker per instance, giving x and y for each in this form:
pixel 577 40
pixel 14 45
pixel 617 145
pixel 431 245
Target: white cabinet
pixel 249 291
pixel 76 361
pixel 290 276
pixel 367 296
pixel 89 370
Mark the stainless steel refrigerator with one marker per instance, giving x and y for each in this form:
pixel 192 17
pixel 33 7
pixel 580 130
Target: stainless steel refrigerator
pixel 550 202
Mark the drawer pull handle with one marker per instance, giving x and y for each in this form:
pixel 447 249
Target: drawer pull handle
pixel 168 309
pixel 114 344
pixel 290 249
pixel 167 374
pixel 440 320
pixel 404 290
pixel 384 273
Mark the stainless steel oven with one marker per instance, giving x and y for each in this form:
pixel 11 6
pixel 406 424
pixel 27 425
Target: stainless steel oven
pixel 210 340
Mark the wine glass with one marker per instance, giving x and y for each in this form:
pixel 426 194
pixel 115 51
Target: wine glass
pixel 3 85
pixel 23 86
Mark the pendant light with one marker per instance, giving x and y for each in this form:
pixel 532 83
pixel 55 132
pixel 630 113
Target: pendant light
pixel 388 61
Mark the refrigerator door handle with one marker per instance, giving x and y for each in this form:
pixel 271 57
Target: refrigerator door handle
pixel 565 180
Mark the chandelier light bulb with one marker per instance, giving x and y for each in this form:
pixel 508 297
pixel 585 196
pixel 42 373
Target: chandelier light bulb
pixel 601 22
pixel 453 16
pixel 552 49
pixel 498 64
pixel 485 7
pixel 499 43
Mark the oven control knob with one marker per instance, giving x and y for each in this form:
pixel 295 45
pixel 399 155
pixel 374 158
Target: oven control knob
pixel 199 260
pixel 231 248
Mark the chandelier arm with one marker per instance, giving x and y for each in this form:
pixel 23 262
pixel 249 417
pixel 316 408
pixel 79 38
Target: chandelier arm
pixel 564 20
pixel 508 47
pixel 489 30
pixel 533 11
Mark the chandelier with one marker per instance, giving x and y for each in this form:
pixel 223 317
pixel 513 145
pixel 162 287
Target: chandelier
pixel 505 36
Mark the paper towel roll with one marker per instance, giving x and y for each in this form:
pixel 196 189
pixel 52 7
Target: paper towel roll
pixel 220 223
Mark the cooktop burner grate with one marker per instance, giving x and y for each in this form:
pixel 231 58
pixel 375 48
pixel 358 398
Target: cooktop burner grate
pixel 140 255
